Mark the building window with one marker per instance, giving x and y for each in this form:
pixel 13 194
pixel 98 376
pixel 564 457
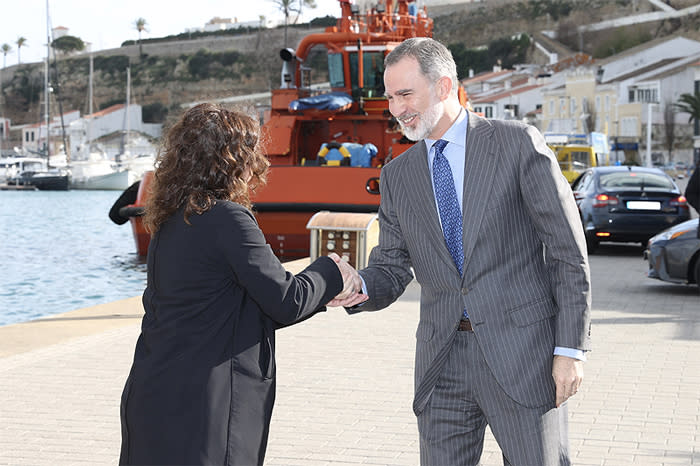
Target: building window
pixel 597 103
pixel 607 104
pixel 645 94
pixel 562 106
pixel 551 107
pixel 573 106
pixel 628 126
pixel 488 112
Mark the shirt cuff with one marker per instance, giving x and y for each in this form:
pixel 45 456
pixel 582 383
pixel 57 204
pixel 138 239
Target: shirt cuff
pixel 364 286
pixel 570 352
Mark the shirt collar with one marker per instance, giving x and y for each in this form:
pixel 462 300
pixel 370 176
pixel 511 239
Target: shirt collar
pixel 456 134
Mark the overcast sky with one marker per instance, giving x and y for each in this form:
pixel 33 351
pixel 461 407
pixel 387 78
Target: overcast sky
pixel 107 23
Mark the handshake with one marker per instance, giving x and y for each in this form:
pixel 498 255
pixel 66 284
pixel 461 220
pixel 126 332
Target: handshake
pixel 352 294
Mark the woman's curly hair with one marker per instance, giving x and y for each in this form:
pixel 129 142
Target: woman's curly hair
pixel 207 154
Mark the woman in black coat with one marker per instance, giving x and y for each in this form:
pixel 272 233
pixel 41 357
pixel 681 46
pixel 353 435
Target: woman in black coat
pixel 202 384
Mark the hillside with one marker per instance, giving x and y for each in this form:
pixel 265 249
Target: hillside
pixel 172 73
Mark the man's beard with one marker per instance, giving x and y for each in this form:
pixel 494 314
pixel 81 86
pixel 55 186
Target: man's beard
pixel 426 123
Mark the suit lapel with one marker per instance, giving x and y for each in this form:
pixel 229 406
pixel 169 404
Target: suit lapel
pixel 420 188
pixel 479 169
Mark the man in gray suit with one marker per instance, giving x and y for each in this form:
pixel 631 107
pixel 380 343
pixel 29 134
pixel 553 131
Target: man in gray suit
pixel 481 213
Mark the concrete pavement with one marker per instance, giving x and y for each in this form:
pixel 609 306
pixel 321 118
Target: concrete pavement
pixel 345 383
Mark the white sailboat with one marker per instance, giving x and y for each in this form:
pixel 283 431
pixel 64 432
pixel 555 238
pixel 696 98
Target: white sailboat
pixel 54 178
pixel 138 154
pixel 96 171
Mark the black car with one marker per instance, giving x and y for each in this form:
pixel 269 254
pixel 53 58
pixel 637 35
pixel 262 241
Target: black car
pixel 674 254
pixel 627 204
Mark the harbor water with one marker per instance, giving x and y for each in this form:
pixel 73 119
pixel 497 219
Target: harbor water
pixel 59 251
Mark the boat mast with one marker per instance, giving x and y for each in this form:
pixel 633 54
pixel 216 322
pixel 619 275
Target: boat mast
pixel 125 136
pixel 128 101
pixel 90 120
pixel 46 85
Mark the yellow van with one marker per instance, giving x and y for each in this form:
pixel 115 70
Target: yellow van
pixel 574 159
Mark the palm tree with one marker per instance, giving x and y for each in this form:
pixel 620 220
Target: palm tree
pixel 140 25
pixel 21 42
pixel 6 48
pixel 690 104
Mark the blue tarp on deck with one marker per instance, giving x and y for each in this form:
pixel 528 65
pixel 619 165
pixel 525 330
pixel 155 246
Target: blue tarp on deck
pixel 328 101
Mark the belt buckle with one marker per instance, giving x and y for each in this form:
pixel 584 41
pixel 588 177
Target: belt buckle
pixel 465 325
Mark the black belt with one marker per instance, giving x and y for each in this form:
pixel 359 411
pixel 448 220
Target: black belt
pixel 465 325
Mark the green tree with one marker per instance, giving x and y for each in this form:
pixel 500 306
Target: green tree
pixel 140 25
pixel 5 50
pixel 292 7
pixel 21 42
pixel 67 44
pixel 690 104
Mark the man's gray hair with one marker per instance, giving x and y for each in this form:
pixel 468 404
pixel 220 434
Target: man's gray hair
pixel 435 59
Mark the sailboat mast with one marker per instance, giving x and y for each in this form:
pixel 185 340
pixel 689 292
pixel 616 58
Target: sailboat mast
pixel 89 121
pixel 128 101
pixel 91 72
pixel 46 83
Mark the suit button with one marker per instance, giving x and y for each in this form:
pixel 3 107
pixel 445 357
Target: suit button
pixel 465 291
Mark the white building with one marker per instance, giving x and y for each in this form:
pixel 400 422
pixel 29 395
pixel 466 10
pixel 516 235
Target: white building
pixel 628 95
pixel 223 24
pixel 35 136
pixel 114 121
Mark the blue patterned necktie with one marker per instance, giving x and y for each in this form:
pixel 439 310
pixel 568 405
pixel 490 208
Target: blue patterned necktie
pixel 448 206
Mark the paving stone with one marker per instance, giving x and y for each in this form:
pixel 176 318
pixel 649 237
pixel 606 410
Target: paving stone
pixel 345 382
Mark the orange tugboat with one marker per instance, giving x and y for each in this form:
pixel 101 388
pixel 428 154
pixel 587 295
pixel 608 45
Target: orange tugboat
pixel 327 148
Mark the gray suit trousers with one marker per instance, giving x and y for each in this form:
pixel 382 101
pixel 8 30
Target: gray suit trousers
pixel 453 424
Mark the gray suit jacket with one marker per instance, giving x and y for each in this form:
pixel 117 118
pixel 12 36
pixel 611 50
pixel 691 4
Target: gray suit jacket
pixel 526 281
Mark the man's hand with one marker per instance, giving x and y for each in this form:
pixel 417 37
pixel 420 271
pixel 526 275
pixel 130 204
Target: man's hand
pixel 568 375
pixel 352 285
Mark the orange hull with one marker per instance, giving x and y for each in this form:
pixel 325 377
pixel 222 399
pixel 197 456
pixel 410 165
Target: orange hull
pixel 293 194
pixel 141 236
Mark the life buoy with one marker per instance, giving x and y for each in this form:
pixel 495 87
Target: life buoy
pixel 321 157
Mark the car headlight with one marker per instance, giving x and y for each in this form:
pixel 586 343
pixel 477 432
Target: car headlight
pixel 682 232
pixel 670 234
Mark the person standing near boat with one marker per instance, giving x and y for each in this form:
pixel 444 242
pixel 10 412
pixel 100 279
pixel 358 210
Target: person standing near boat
pixel 202 384
pixel 479 210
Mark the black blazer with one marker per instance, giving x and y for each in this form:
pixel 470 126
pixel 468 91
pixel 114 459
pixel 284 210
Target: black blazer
pixel 202 384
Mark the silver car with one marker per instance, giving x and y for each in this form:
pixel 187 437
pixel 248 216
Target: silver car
pixel 674 254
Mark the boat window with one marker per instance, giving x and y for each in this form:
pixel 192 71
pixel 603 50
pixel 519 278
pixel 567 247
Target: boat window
pixel 373 73
pixel 335 70
pixel 31 166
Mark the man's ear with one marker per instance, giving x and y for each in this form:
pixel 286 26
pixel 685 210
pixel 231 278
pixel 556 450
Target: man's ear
pixel 444 86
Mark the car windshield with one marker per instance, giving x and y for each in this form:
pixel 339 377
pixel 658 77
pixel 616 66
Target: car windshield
pixel 635 180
